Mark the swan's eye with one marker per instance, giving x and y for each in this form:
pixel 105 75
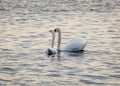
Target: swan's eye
pixel 55 30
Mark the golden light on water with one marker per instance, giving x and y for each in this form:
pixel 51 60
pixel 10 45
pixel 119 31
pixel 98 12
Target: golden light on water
pixel 24 35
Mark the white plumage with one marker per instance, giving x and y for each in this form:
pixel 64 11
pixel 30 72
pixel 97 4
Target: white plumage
pixel 77 44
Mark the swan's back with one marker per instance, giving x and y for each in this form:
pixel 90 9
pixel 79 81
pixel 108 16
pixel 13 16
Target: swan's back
pixel 76 44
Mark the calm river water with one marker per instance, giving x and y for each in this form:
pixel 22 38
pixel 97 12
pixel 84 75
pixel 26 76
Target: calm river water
pixel 24 35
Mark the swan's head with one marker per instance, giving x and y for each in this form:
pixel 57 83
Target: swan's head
pixel 50 30
pixel 56 30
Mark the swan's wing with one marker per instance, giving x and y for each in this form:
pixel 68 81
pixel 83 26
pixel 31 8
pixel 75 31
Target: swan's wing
pixel 75 45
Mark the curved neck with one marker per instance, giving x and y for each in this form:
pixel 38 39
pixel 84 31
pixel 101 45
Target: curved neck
pixel 53 38
pixel 59 39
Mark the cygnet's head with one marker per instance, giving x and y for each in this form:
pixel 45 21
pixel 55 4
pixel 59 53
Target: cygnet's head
pixel 51 51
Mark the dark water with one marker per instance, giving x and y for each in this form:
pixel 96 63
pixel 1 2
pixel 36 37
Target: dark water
pixel 24 26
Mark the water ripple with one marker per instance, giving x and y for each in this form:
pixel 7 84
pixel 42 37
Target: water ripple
pixel 91 82
pixel 8 70
pixel 53 75
pixel 24 35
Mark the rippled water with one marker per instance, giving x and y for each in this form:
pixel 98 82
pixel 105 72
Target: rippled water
pixel 24 26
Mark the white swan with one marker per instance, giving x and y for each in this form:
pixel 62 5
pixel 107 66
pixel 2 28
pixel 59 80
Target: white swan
pixel 52 50
pixel 76 44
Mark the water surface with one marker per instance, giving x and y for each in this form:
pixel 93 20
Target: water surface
pixel 24 26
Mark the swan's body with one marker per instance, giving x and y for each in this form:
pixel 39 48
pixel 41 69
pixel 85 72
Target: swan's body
pixel 52 50
pixel 76 44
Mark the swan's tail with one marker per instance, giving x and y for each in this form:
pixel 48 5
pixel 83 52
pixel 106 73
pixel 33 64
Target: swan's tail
pixel 84 45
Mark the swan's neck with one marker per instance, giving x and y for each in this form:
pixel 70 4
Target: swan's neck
pixel 59 39
pixel 53 38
